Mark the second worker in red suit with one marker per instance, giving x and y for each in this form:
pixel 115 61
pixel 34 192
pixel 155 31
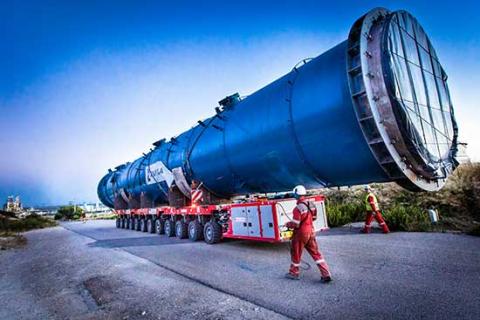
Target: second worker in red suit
pixel 373 211
pixel 304 236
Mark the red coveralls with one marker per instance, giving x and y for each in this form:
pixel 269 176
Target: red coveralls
pixel 373 211
pixel 304 237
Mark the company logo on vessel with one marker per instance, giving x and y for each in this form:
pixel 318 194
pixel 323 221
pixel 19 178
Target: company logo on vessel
pixel 158 172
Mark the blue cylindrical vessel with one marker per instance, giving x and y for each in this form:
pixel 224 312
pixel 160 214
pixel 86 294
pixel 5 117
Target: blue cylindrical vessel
pixel 342 118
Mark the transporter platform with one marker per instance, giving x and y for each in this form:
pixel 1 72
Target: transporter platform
pixel 259 220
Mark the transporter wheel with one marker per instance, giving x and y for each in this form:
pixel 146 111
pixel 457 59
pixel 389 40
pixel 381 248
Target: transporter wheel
pixel 195 231
pixel 127 223
pixel 118 222
pixel 181 230
pixel 132 223
pixel 159 226
pixel 169 228
pixel 212 232
pixel 151 225
pixel 138 224
pixel 122 223
pixel 144 226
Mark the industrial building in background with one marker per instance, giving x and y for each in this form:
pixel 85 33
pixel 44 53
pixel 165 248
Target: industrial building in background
pixel 94 208
pixel 13 204
pixel 374 108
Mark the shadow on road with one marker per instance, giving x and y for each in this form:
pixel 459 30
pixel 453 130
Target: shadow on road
pixel 256 246
pixel 135 242
pixel 347 231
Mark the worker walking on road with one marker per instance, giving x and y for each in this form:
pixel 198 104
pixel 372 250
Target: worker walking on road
pixel 304 236
pixel 373 210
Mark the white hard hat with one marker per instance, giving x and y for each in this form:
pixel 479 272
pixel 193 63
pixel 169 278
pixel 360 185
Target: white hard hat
pixel 367 187
pixel 300 190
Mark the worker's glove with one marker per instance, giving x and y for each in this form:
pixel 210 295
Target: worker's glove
pixel 291 225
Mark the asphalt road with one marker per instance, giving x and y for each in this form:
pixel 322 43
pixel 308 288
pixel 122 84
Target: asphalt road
pixel 95 271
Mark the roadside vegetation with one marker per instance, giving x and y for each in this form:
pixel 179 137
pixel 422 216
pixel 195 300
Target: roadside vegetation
pixel 111 216
pixel 458 204
pixel 69 213
pixel 11 226
pixel 75 213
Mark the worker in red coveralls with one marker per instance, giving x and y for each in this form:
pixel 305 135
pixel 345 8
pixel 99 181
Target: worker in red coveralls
pixel 304 236
pixel 373 210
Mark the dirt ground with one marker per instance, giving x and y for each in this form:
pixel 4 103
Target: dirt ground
pixel 11 241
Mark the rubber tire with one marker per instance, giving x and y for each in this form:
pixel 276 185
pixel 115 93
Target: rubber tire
pixel 138 224
pixel 212 232
pixel 127 223
pixel 118 222
pixel 132 223
pixel 169 228
pixel 195 231
pixel 181 230
pixel 159 226
pixel 143 224
pixel 122 225
pixel 151 225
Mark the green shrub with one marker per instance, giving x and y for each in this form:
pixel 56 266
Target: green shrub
pixel 407 218
pixel 3 223
pixel 30 222
pixel 398 216
pixel 475 231
pixel 68 213
pixel 339 214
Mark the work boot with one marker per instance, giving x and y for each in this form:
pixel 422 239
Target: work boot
pixel 292 276
pixel 325 279
pixel 384 227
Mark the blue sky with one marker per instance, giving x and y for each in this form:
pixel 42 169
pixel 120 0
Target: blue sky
pixel 87 85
